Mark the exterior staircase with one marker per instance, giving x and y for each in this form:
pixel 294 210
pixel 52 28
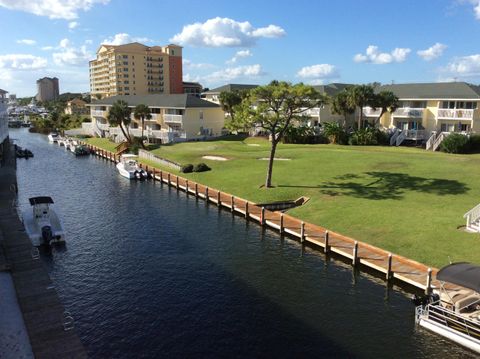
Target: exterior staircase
pixel 393 138
pixel 473 219
pixel 439 140
pixel 121 148
pixel 400 138
pixel 431 141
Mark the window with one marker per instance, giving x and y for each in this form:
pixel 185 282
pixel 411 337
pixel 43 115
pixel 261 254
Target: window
pixel 125 82
pixel 125 63
pixel 125 69
pixel 125 56
pixel 200 115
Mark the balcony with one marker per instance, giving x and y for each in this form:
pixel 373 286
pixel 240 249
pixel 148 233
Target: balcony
pixel 409 112
pixel 454 114
pixel 312 112
pixel 370 112
pixel 173 118
pixel 98 113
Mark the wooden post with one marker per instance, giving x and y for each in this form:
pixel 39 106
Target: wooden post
pixel 327 246
pixel 262 216
pixel 302 231
pixel 389 266
pixel 232 203
pixel 281 223
pixel 428 287
pixel 186 186
pixel 168 179
pixel 355 253
pixel 196 189
pixel 154 175
pixel 246 209
pixel 161 176
pixel 177 183
pixel 206 194
pixel 218 199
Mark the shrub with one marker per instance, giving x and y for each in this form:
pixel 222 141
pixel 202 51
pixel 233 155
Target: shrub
pixel 368 137
pixel 475 143
pixel 187 168
pixel 201 167
pixel 335 133
pixel 455 143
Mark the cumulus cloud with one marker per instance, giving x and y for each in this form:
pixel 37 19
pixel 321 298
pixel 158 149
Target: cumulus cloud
pixel 124 38
pixel 235 73
pixel 317 73
pixel 240 55
pixel 22 62
pixel 26 42
pixel 72 25
pixel 54 9
pixel 70 55
pixel 224 32
pixel 47 48
pixel 199 66
pixel 465 67
pixel 432 52
pixel 374 56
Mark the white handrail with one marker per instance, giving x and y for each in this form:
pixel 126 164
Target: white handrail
pixel 439 140
pixel 431 141
pixel 400 138
pixel 473 215
pixel 393 139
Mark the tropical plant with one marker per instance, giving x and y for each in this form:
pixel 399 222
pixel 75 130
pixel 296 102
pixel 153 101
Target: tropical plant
pixel 142 113
pixel 277 107
pixel 385 101
pixel 360 96
pixel 230 102
pixel 341 105
pixel 369 136
pixel 334 132
pixel 119 115
pixel 455 143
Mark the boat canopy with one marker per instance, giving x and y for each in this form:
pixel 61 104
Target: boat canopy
pixel 40 200
pixel 465 274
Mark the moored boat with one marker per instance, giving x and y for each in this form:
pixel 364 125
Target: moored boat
pixel 53 137
pixel 128 167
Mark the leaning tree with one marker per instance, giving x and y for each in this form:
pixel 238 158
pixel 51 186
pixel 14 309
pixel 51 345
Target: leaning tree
pixel 142 113
pixel 119 115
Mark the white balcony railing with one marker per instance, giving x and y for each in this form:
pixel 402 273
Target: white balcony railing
pixel 455 114
pixel 98 113
pixel 313 112
pixel 408 112
pixel 173 118
pixel 370 112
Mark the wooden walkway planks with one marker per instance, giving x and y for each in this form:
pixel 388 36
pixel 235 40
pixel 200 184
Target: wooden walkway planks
pixel 392 265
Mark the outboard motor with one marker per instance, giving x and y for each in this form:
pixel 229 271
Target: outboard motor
pixel 421 300
pixel 47 234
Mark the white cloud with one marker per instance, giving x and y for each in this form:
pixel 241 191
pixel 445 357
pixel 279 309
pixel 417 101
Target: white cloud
pixel 432 52
pixel 318 72
pixel 47 48
pixel 22 62
pixel 476 8
pixel 54 9
pixel 235 73
pixel 73 24
pixel 224 32
pixel 123 38
pixel 189 78
pixel 71 55
pixel 240 55
pixel 199 66
pixel 26 42
pixel 374 56
pixel 465 67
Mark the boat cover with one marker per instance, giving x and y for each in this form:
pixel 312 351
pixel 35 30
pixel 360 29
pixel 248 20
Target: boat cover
pixel 464 274
pixel 40 200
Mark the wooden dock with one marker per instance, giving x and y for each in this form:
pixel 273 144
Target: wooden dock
pixel 391 265
pixel 50 328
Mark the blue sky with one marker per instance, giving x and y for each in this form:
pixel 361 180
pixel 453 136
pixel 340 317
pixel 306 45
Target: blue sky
pixel 357 41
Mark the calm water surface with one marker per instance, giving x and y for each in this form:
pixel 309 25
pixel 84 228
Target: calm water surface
pixel 149 272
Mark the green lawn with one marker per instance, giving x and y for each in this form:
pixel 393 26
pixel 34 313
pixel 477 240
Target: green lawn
pixel 405 200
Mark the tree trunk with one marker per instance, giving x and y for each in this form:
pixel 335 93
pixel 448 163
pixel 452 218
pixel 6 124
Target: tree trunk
pixel 377 122
pixel 268 182
pixel 127 137
pixel 142 121
pixel 360 118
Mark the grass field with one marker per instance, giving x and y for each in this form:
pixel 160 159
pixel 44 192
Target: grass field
pixel 405 200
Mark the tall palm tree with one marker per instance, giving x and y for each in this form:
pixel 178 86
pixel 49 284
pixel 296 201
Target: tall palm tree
pixel 142 112
pixel 360 96
pixel 342 106
pixel 386 101
pixel 119 115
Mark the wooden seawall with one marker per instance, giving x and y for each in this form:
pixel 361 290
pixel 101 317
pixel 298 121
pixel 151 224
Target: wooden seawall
pixel 392 266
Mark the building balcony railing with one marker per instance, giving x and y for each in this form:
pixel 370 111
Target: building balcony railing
pixel 454 114
pixel 370 112
pixel 98 113
pixel 312 112
pixel 408 112
pixel 173 118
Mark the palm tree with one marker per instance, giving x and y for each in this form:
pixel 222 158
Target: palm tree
pixel 142 112
pixel 119 115
pixel 360 96
pixel 386 101
pixel 342 106
pixel 229 102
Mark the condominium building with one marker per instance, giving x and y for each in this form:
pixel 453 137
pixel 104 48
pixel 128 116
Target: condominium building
pixel 47 89
pixel 136 69
pixel 213 95
pixel 3 118
pixel 76 107
pixel 192 88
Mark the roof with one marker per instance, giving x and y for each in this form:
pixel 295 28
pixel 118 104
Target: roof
pixel 40 200
pixel 3 91
pixel 464 274
pixel 231 87
pixel 172 101
pixel 77 101
pixel 332 89
pixel 436 90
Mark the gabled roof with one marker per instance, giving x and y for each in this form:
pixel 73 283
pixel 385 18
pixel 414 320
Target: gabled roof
pixel 465 274
pixel 332 89
pixel 230 88
pixel 169 101
pixel 77 101
pixel 434 91
pixel 3 91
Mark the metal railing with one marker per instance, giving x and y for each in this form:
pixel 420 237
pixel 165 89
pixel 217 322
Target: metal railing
pixel 473 215
pixel 439 140
pixel 431 141
pixel 173 118
pixel 400 138
pixel 370 112
pixel 393 139
pixel 408 112
pixel 455 114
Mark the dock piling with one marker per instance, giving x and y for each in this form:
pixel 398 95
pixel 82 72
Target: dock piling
pixel 302 232
pixel 232 203
pixel 428 287
pixel 219 203
pixel 327 245
pixel 281 223
pixel 206 194
pixel 355 253
pixel 246 209
pixel 262 216
pixel 389 267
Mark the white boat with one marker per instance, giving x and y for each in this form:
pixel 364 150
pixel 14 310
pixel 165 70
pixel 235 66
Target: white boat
pixel 451 311
pixel 128 167
pixel 53 137
pixel 73 145
pixel 42 224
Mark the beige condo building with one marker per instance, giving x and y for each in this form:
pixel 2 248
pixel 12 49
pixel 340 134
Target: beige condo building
pixel 136 69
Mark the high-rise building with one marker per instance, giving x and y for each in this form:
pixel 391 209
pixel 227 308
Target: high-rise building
pixel 47 89
pixel 136 69
pixel 3 118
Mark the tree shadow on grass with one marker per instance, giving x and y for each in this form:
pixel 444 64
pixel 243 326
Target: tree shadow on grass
pixel 387 185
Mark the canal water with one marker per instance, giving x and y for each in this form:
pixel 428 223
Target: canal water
pixel 149 272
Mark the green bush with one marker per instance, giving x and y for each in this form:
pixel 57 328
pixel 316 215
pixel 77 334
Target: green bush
pixel 455 143
pixel 335 133
pixel 303 135
pixel 368 137
pixel 187 168
pixel 201 167
pixel 475 143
